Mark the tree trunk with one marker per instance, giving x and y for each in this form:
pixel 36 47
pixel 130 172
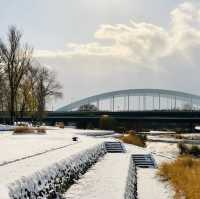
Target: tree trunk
pixel 12 108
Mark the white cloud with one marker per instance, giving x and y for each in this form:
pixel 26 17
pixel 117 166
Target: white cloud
pixel 134 55
pixel 140 43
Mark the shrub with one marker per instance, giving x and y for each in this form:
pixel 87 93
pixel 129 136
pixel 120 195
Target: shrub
pixel 23 129
pixel 90 126
pixel 143 137
pixel 107 122
pixel 195 150
pixel 60 125
pixel 183 175
pixel 132 138
pixel 41 130
pixel 183 149
pixel 186 150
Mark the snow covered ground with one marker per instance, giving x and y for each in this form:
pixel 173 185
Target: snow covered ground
pixel 158 132
pixel 150 187
pixel 23 155
pixel 165 150
pixel 5 128
pixel 94 132
pixel 21 146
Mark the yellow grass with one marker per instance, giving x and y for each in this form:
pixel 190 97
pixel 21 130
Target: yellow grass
pixel 28 130
pixel 132 138
pixel 23 129
pixel 184 175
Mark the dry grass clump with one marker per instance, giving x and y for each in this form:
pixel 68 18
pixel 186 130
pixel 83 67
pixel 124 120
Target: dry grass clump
pixel 29 130
pixel 23 129
pixel 41 130
pixel 184 175
pixel 132 138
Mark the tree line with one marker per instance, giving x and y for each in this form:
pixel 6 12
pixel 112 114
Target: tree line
pixel 25 85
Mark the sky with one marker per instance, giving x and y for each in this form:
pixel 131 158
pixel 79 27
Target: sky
pixel 97 46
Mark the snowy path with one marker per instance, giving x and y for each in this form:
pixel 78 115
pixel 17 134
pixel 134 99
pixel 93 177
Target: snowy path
pixel 107 179
pixel 149 186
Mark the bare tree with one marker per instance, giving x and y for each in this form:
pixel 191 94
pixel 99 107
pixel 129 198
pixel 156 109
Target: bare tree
pixel 27 101
pixel 16 59
pixel 3 92
pixel 47 86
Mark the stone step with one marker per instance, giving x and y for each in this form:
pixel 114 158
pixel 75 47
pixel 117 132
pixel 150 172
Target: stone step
pixel 144 160
pixel 114 147
pixel 118 146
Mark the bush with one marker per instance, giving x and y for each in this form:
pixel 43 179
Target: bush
pixel 107 122
pixel 132 138
pixel 195 150
pixel 143 137
pixel 183 149
pixel 183 175
pixel 23 129
pixel 60 125
pixel 90 126
pixel 186 150
pixel 41 130
pixel 28 130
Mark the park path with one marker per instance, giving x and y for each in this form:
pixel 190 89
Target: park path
pixel 106 179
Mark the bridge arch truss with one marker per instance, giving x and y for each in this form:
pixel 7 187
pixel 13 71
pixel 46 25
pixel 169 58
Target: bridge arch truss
pixel 139 99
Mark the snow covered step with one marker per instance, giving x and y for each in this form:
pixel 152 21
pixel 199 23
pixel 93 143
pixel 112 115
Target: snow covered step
pixel 144 160
pixel 114 147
